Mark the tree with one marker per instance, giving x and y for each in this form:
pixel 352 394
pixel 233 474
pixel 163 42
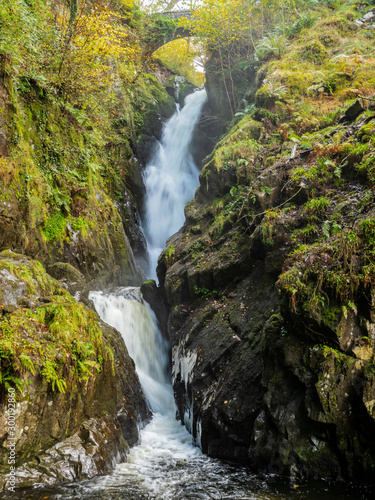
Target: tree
pixel 88 48
pixel 231 29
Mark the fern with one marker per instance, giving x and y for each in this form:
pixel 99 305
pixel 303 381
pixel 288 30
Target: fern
pixel 49 372
pixel 27 363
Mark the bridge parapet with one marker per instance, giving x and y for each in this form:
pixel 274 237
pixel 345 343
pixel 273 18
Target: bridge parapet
pixel 177 14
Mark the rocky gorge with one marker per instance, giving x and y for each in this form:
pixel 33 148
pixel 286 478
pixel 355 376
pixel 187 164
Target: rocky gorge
pixel 269 281
pixel 266 293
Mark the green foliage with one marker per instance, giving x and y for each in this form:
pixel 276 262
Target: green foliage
pixel 324 170
pixel 204 292
pixel 305 21
pixel 169 253
pixel 307 234
pixel 54 226
pixel 314 51
pixel 49 371
pixel 238 194
pixel 268 94
pixel 58 339
pixel 272 45
pixel 311 281
pixel 317 206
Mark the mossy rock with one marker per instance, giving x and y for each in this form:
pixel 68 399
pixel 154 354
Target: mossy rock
pixel 314 51
pixel 181 88
pixel 65 365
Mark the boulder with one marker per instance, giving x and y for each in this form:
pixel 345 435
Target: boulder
pixel 78 398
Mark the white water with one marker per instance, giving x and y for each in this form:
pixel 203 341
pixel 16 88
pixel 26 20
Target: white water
pixel 171 178
pixel 165 445
pixel 164 465
pixel 126 311
pixel 163 442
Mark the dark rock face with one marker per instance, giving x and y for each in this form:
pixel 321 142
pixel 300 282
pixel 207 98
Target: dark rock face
pixel 84 427
pixel 353 112
pixel 260 373
pixel 225 90
pixel 154 115
pixel 132 223
pixel 154 295
pixel 217 365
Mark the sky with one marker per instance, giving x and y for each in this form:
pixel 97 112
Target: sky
pixel 162 4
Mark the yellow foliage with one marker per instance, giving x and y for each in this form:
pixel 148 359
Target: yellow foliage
pixel 89 52
pixel 182 56
pixel 222 22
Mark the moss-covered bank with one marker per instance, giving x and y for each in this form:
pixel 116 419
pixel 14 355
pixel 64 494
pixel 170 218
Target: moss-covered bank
pixel 70 193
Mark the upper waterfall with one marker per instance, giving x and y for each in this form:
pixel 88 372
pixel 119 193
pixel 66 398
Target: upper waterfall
pixel 171 178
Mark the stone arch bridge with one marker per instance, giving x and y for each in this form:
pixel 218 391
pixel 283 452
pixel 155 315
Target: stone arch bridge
pixel 163 28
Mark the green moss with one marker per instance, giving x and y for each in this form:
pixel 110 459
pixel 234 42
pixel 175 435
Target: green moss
pixel 57 339
pixel 314 51
pixel 317 206
pixel 367 132
pixel 32 273
pixel 54 227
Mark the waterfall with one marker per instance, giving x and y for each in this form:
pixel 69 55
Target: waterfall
pixel 126 311
pixel 164 465
pixel 164 443
pixel 171 178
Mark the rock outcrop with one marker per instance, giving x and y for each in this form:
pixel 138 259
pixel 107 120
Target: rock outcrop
pixel 270 290
pixel 79 401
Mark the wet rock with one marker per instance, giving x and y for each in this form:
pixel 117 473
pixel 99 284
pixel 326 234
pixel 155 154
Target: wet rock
pixel 154 296
pixel 255 378
pixel 179 87
pixel 132 225
pixel 353 112
pixel 83 426
pixel 95 449
pixel 68 276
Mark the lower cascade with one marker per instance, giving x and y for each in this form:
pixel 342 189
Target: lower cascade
pixel 126 311
pixel 165 464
